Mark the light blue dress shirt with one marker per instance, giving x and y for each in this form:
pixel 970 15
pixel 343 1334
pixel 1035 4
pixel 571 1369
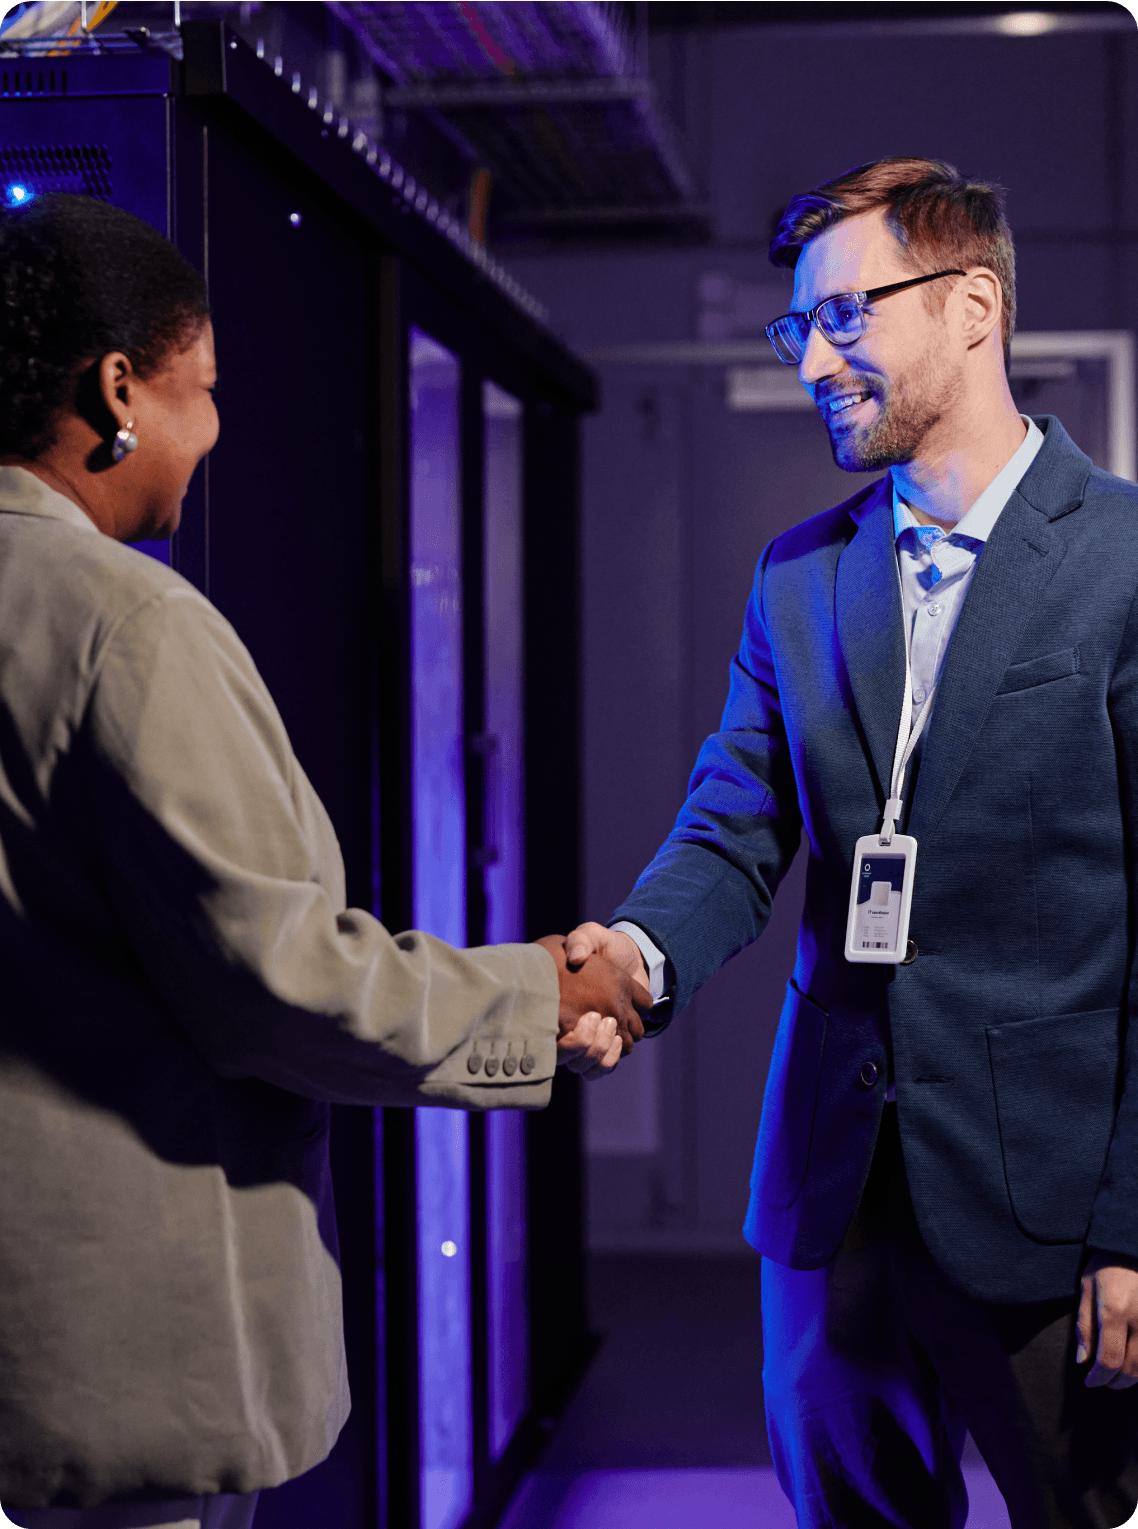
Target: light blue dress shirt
pixel 936 567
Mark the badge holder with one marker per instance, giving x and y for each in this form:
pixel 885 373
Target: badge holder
pixel 880 898
pixel 881 891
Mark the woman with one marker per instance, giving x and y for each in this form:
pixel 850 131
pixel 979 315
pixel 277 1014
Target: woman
pixel 183 988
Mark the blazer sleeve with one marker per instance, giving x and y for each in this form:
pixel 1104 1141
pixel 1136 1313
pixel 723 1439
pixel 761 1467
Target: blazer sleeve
pixel 1114 1219
pixel 708 891
pixel 224 871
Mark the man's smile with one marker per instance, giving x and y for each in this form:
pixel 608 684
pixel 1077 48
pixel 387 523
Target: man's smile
pixel 835 404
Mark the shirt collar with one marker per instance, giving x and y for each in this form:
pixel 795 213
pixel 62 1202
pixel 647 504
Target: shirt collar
pixel 22 493
pixel 985 511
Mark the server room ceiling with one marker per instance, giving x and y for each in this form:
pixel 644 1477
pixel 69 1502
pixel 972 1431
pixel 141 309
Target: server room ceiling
pixel 554 99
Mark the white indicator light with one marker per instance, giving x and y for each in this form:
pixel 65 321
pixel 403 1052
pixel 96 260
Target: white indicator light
pixel 1027 23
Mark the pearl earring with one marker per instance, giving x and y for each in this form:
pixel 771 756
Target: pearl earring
pixel 125 442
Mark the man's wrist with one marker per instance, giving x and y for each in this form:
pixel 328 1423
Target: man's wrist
pixel 654 959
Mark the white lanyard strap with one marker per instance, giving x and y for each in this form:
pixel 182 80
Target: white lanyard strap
pixel 908 733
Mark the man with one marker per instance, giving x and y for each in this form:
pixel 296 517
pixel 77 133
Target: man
pixel 945 1188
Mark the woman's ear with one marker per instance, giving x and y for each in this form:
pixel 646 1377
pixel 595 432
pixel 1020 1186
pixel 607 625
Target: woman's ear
pixel 117 385
pixel 105 396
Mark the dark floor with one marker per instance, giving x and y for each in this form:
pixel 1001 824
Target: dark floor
pixel 678 1380
pixel 667 1429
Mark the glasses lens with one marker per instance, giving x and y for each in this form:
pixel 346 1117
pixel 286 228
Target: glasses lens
pixel 840 319
pixel 788 336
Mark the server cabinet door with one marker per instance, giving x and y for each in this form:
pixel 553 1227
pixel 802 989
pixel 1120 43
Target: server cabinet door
pixel 446 1458
pixel 283 547
pixel 507 1314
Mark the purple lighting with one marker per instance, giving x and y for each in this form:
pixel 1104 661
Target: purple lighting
pixel 678 1499
pixel 439 896
pixel 505 917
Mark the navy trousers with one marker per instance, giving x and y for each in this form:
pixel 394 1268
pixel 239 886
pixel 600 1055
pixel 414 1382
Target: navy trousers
pixel 875 1366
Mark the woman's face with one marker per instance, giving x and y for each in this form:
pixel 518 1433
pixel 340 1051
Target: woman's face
pixel 175 419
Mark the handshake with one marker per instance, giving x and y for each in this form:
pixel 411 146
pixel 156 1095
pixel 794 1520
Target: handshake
pixel 603 986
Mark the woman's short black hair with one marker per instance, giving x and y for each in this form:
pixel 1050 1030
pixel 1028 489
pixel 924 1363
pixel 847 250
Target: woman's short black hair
pixel 78 279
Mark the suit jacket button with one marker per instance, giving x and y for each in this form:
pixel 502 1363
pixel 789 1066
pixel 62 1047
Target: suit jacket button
pixel 911 954
pixel 867 1077
pixel 491 1066
pixel 473 1062
pixel 510 1066
pixel 528 1063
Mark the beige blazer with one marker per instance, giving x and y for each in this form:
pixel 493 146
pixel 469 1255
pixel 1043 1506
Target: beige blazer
pixel 182 990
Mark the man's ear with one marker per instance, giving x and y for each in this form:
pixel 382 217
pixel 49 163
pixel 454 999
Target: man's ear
pixel 982 304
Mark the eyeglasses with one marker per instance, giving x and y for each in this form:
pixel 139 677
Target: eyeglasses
pixel 841 319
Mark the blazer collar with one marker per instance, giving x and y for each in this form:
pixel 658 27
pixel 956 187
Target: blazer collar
pixel 1056 481
pixel 867 599
pixel 1018 562
pixel 22 493
pixel 1021 557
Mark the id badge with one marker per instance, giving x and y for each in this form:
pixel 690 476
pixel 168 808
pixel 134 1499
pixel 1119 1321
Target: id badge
pixel 880 899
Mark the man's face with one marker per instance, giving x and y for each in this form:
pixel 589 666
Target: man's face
pixel 883 397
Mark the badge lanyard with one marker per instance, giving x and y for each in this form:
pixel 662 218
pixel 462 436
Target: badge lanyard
pixel 881 892
pixel 908 736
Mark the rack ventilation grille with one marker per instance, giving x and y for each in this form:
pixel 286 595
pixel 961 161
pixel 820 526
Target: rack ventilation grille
pixel 29 170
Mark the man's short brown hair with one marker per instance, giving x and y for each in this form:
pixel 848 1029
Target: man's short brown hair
pixel 938 218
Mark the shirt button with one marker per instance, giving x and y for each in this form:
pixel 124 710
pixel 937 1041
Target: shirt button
pixel 918 695
pixel 935 609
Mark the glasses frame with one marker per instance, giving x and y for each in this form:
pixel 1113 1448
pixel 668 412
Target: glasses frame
pixel 860 298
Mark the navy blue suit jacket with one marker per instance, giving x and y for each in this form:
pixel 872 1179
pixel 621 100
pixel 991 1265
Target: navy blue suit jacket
pixel 1017 1094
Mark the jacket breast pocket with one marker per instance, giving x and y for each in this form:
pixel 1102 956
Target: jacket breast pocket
pixel 1040 671
pixel 1056 1085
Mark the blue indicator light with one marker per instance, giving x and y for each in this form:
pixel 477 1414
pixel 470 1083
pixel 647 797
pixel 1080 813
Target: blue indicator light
pixel 18 195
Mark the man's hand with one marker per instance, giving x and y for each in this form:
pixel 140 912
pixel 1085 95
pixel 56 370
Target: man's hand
pixel 598 1022
pixel 594 939
pixel 1108 1323
pixel 593 1047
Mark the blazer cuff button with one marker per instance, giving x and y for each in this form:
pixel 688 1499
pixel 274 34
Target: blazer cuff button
pixel 528 1063
pixel 474 1062
pixel 510 1066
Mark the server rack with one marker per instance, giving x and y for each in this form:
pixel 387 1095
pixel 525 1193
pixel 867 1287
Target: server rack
pixel 326 282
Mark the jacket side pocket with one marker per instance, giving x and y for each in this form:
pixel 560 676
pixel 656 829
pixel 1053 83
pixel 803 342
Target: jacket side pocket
pixel 1056 1087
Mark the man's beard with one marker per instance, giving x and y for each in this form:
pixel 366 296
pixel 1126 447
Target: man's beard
pixel 907 411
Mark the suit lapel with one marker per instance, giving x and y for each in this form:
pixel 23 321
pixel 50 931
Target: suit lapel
pixel 867 599
pixel 1017 563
